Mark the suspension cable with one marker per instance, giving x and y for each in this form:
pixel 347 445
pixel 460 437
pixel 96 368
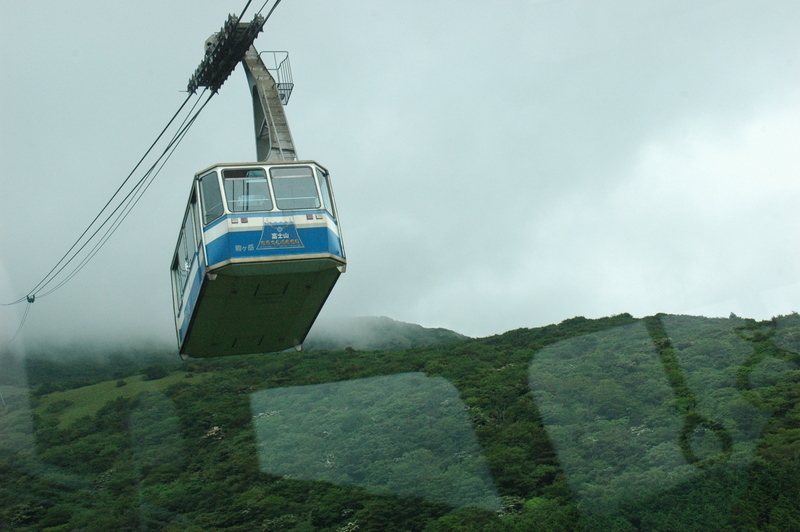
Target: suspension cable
pixel 22 322
pixel 75 249
pixel 52 273
pixel 130 200
pixel 126 204
pixel 245 9
pixel 270 11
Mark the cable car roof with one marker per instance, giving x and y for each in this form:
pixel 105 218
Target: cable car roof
pixel 259 163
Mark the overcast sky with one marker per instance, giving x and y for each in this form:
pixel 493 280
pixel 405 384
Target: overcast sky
pixel 496 164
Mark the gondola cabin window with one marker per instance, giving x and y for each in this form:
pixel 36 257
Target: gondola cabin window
pixel 295 188
pixel 212 198
pixel 246 190
pixel 324 187
pixel 186 251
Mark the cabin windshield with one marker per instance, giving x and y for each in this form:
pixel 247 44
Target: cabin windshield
pixel 294 188
pixel 246 190
pixel 324 187
pixel 212 200
pixel 186 250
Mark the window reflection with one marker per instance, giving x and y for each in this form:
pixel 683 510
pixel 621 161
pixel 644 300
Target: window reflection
pixel 633 415
pixel 246 189
pixel 404 434
pixel 787 335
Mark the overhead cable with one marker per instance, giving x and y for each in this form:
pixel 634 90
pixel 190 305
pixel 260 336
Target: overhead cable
pixel 69 255
pixel 245 9
pixel 106 214
pixel 117 215
pixel 130 200
pixel 270 11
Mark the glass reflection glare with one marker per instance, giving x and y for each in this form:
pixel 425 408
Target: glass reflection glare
pixel 405 434
pixel 632 415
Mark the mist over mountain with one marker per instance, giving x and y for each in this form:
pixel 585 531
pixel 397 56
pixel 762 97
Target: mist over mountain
pixel 375 333
pixel 82 363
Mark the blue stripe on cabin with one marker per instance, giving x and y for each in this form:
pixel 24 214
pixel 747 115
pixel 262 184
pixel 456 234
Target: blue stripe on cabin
pixel 194 292
pixel 248 244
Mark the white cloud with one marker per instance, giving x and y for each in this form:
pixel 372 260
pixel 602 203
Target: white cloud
pixel 703 219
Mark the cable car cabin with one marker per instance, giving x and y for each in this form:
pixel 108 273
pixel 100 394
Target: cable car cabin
pixel 258 254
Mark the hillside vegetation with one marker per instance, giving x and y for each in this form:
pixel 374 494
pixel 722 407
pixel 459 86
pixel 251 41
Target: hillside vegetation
pixel 616 424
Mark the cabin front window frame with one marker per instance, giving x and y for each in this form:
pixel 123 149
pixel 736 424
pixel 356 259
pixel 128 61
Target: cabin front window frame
pixel 284 202
pixel 243 201
pixel 324 184
pixel 186 250
pixel 217 191
pixel 213 206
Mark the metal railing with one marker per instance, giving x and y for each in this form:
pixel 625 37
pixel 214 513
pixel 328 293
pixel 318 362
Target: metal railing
pixel 277 64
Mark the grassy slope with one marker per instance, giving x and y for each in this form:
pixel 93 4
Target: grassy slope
pixel 71 405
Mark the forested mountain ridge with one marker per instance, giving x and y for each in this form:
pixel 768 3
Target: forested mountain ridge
pixel 662 423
